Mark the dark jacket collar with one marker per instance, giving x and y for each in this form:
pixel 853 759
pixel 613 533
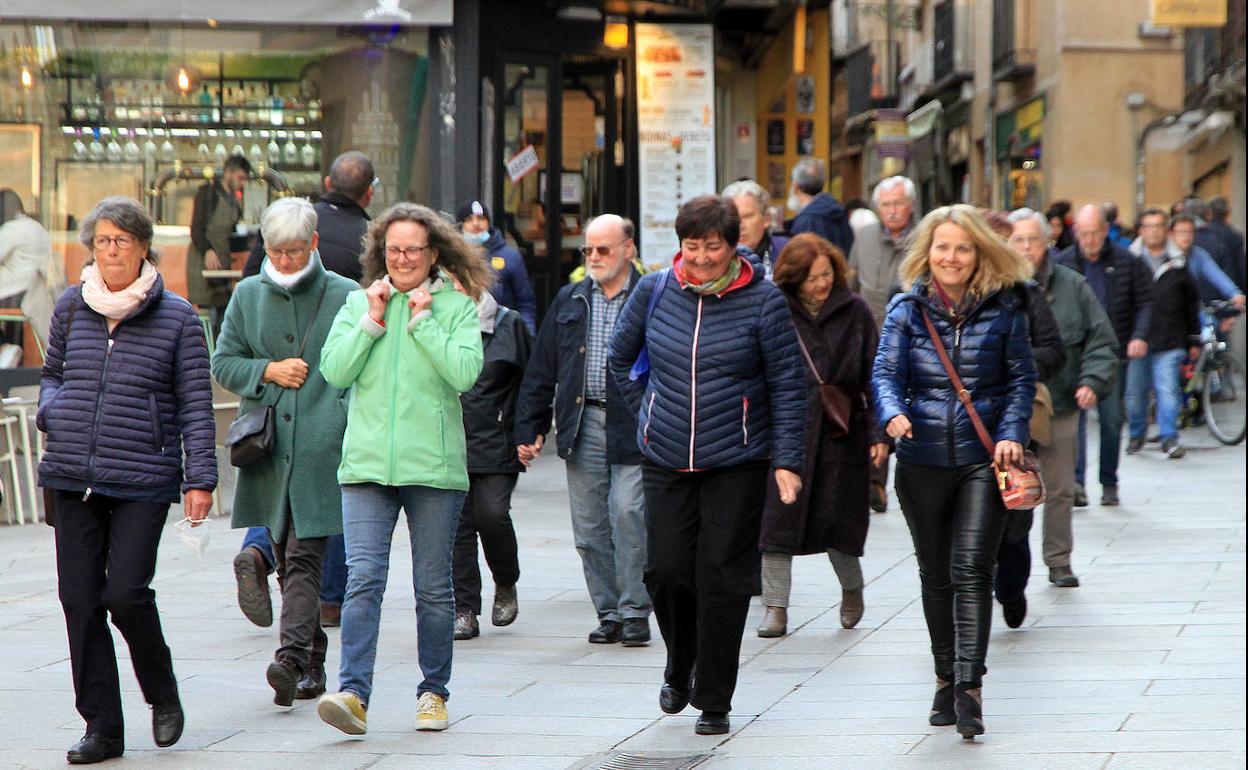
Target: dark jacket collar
pixel 341 201
pixel 839 298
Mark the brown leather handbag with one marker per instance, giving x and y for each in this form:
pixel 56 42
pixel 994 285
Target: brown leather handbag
pixel 1021 486
pixel 838 406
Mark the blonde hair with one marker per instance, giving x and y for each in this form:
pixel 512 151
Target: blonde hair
pixel 996 264
pixel 455 255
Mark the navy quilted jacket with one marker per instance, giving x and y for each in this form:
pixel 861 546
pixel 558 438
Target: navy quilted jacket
pixel 119 409
pixel 992 355
pixel 726 382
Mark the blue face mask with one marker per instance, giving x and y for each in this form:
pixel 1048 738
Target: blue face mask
pixel 480 237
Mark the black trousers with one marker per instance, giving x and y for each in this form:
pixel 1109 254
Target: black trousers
pixel 702 541
pixel 956 520
pixel 303 641
pixel 1014 556
pixel 105 562
pixel 487 513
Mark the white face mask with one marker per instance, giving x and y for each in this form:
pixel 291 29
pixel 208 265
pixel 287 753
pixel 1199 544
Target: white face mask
pixel 793 202
pixel 195 538
pixel 479 238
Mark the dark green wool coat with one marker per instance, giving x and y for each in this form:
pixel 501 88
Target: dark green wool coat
pixel 264 323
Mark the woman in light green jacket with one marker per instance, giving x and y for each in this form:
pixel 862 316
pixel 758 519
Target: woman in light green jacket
pixel 407 346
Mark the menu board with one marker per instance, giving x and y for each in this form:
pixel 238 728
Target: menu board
pixel 675 128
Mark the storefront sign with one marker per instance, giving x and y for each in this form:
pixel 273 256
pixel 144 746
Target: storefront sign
pixel 1020 128
pixel 522 163
pixel 1189 13
pixel 892 134
pixel 308 12
pixel 676 128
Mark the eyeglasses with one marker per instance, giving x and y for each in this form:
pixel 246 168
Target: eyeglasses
pixel 602 250
pixel 411 252
pixel 101 242
pixel 287 253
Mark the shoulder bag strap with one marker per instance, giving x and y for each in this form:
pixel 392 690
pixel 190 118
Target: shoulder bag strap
pixel 963 395
pixel 806 354
pixel 307 333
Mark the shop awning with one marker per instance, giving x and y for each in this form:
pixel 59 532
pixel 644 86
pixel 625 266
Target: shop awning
pixel 297 12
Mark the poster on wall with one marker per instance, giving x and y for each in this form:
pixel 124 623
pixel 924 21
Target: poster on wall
pixel 775 137
pixel 675 128
pixel 805 93
pixel 805 138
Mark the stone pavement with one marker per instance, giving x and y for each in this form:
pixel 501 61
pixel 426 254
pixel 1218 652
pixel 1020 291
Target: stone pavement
pixel 1141 667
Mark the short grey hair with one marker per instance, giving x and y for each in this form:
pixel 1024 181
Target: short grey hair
pixel 288 220
pixel 889 184
pixel 124 213
pixel 751 188
pixel 810 175
pixel 1023 214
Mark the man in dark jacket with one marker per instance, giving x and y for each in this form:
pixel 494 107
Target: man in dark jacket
pixel 1120 282
pixel 819 212
pixel 511 278
pixel 341 219
pixel 597 432
pixel 752 201
pixel 1223 241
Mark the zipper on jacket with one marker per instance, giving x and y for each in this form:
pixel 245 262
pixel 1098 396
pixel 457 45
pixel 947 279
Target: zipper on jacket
pixel 580 413
pixel 645 433
pixel 953 404
pixel 95 426
pixel 745 420
pixel 394 402
pixel 693 383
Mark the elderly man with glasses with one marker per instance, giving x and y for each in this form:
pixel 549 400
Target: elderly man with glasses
pixel 567 378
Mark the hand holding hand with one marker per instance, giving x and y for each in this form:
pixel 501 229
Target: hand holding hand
pixel 378 294
pixel 197 503
pixel 289 372
pixel 899 427
pixel 789 484
pixel 1008 453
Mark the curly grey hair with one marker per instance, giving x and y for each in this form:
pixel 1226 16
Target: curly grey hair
pixel 124 213
pixel 465 261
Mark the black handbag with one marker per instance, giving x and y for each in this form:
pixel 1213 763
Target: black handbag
pixel 251 437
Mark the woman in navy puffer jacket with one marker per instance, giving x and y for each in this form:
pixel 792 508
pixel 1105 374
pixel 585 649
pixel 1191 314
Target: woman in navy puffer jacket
pixel 724 405
pixel 126 394
pixel 969 283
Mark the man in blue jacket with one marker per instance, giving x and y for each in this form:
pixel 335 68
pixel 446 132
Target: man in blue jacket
pixel 511 278
pixel 819 212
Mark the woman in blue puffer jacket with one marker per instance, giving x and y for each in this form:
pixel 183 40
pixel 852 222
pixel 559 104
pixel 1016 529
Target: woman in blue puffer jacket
pixel 969 283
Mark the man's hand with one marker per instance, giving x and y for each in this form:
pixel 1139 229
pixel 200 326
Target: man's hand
pixel 1137 349
pixel 211 260
pixel 289 372
pixel 378 294
pixel 1085 397
pixel 879 453
pixel 530 452
pixel 789 484
pixel 197 503
pixel 1008 453
pixel 899 427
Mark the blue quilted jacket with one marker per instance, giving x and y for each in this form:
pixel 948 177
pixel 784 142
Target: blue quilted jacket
pixel 726 382
pixel 992 355
pixel 119 409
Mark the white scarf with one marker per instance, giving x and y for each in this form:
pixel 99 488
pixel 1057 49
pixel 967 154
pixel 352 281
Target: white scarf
pixel 116 305
pixel 289 280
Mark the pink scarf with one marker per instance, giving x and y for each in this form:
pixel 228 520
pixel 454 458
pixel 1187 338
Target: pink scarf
pixel 116 305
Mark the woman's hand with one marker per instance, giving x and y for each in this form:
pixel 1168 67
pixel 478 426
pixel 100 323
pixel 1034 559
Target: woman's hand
pixel 1008 453
pixel 899 427
pixel 197 503
pixel 879 454
pixel 289 373
pixel 530 452
pixel 789 484
pixel 419 300
pixel 211 260
pixel 378 294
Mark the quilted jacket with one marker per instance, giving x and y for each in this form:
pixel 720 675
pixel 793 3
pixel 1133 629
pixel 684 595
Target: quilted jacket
pixel 726 382
pixel 992 355
pixel 120 409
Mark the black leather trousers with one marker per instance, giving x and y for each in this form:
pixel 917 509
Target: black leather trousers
pixel 956 519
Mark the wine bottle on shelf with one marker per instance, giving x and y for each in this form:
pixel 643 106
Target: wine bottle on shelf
pixel 307 155
pixel 79 149
pixel 96 148
pixel 131 148
pixel 290 153
pixel 314 109
pixel 273 151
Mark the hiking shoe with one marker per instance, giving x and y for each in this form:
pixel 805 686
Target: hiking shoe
pixel 431 712
pixel 345 711
pixel 1172 449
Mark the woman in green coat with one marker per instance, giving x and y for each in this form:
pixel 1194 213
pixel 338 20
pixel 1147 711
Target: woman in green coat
pixel 268 353
pixel 406 347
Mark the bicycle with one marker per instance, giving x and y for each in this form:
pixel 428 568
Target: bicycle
pixel 1217 391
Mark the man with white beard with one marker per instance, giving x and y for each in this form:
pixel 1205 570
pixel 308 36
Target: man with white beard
pixel 567 378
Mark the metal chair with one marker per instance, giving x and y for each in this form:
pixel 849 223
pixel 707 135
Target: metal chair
pixel 13 498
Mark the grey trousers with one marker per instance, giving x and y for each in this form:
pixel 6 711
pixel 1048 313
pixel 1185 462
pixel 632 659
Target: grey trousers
pixel 778 575
pixel 303 641
pixel 1057 469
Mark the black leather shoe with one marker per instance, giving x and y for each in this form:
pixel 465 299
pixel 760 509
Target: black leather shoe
pixel 636 632
pixel 312 685
pixel 1015 611
pixel 712 723
pixel 671 700
pixel 251 573
pixel 167 723
pixel 607 632
pixel 283 677
pixel 94 748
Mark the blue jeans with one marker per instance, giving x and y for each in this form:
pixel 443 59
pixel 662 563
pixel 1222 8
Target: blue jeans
pixel 608 523
pixel 333 564
pixel 1160 373
pixel 369 513
pixel 1110 416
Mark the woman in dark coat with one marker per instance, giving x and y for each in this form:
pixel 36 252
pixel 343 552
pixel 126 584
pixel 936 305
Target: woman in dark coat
pixel 836 329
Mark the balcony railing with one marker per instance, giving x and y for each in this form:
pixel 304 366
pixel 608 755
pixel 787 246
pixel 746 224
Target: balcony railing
pixel 871 71
pixel 1013 57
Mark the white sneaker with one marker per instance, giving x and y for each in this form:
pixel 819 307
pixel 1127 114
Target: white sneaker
pixel 431 712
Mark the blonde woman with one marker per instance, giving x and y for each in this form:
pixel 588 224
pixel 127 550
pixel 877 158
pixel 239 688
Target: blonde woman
pixel 970 284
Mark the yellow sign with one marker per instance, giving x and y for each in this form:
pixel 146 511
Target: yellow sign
pixel 1030 114
pixel 1189 13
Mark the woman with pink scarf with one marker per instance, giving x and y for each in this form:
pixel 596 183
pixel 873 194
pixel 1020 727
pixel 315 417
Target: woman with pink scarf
pixel 126 402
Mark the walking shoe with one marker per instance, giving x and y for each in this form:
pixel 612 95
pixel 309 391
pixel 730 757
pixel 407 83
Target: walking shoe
pixel 942 714
pixel 94 747
pixel 331 615
pixel 1081 496
pixel 251 572
pixel 1015 611
pixel 879 497
pixel 431 712
pixel 1172 449
pixel 1109 495
pixel 671 700
pixel 312 685
pixel 775 623
pixel 1135 444
pixel 466 626
pixel 712 723
pixel 283 676
pixel 636 632
pixel 167 723
pixel 505 606
pixel 968 704
pixel 607 632
pixel 1062 577
pixel 345 711
pixel 851 608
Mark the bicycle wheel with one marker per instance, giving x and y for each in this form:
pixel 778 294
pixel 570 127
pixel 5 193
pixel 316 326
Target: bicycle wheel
pixel 1225 399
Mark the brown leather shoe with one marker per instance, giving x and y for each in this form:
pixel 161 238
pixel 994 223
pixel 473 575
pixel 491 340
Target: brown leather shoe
pixel 851 608
pixel 331 615
pixel 775 623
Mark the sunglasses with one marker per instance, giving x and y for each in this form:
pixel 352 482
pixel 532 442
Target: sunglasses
pixel 602 250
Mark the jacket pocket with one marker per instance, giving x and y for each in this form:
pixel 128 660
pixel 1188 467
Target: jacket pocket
pixel 158 434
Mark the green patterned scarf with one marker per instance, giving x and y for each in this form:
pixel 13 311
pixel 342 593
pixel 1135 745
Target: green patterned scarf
pixel 719 284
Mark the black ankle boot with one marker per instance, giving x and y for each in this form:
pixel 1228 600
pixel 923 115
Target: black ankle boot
pixel 942 705
pixel 968 703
